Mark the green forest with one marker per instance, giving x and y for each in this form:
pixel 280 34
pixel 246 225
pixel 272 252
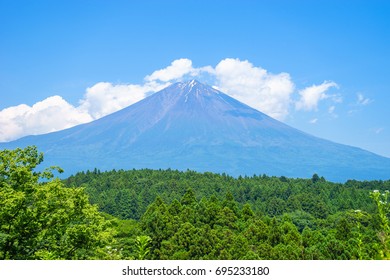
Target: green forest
pixel 170 214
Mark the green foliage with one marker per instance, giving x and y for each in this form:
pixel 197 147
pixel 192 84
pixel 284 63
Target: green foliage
pixel 168 214
pixel 189 215
pixel 383 207
pixel 127 194
pixel 45 220
pixel 142 243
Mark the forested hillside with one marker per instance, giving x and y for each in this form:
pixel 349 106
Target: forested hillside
pixel 189 215
pixel 167 214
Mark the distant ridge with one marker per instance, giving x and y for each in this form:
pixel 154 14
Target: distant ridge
pixel 190 125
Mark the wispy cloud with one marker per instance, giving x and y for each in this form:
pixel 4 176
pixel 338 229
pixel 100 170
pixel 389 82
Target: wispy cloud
pixel 311 96
pixel 360 102
pixel 363 101
pixel 378 130
pixel 332 111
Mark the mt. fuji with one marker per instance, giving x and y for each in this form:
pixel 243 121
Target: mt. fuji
pixel 189 125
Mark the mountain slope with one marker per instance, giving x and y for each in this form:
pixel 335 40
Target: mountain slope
pixel 193 126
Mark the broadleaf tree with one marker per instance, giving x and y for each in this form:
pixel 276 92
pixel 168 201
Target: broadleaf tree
pixel 40 218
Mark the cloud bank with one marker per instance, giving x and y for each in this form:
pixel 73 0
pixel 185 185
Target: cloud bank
pixel 105 98
pixel 273 94
pixel 49 115
pixel 269 93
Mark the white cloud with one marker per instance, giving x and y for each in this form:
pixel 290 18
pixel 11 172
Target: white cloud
pixel 177 70
pixel 311 96
pixel 105 98
pixel 269 93
pixel 49 115
pixel 54 113
pixel 313 121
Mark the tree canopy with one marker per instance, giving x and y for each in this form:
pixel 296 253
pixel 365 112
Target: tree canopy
pixel 170 214
pixel 190 215
pixel 42 219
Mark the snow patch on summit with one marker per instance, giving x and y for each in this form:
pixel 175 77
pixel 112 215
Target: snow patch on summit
pixel 191 84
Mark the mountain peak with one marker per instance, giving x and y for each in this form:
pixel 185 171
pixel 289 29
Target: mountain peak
pixel 190 83
pixel 194 88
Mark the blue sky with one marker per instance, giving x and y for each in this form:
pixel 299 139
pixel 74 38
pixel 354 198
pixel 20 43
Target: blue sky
pixel 320 66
